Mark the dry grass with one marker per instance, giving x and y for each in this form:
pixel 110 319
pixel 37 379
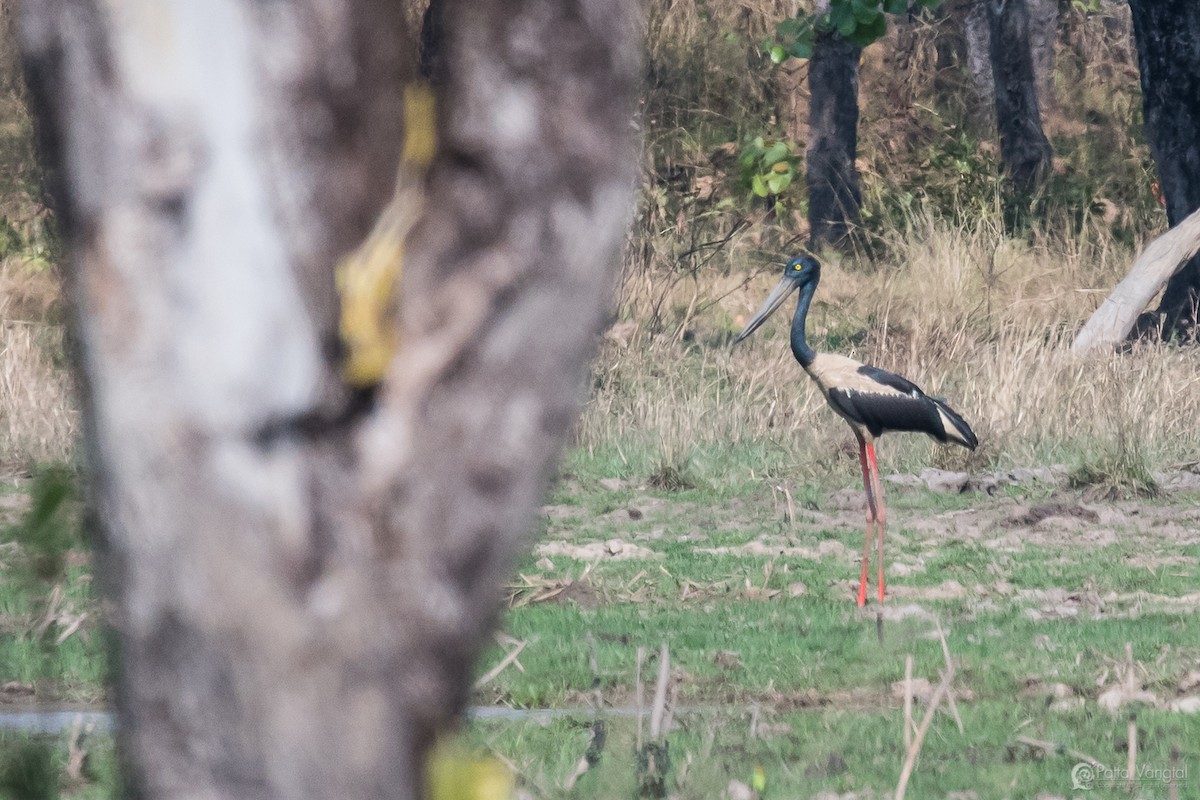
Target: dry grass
pixel 38 416
pixel 970 314
pixel 962 308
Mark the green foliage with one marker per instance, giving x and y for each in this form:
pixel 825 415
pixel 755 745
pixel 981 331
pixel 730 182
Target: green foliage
pixel 27 770
pixel 1087 7
pixel 796 36
pixel 860 22
pixel 767 167
pixel 48 530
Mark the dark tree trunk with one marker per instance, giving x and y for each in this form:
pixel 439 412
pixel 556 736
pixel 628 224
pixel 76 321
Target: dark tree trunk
pixel 833 191
pixel 1024 148
pixel 432 36
pixel 1167 33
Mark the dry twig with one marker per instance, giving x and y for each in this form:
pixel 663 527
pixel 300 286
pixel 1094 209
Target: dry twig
pixel 658 712
pixel 908 702
pixel 1053 748
pixel 950 680
pixel 491 674
pixel 910 758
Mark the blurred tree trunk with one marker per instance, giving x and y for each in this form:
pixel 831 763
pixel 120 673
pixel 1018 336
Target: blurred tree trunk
pixel 1167 33
pixel 834 197
pixel 433 26
pixel 298 606
pixel 1024 149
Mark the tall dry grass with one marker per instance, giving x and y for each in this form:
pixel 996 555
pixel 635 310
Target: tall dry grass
pixel 971 314
pixel 38 416
pixel 961 307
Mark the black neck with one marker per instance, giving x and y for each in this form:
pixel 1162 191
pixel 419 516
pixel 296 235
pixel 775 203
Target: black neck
pixel 800 349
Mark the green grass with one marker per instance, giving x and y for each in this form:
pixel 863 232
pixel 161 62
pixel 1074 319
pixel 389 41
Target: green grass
pixel 1024 608
pixel 34 767
pixel 1034 609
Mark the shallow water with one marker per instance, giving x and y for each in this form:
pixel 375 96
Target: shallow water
pixel 60 719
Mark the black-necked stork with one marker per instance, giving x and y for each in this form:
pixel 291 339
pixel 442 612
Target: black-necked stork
pixel 873 401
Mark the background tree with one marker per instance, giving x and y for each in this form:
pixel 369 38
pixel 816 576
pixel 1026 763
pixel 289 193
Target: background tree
pixel 834 195
pixel 832 39
pixel 969 44
pixel 1167 33
pixel 300 594
pixel 1024 149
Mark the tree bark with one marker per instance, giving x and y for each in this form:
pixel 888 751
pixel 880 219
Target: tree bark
pixel 297 613
pixel 834 197
pixel 1167 33
pixel 1024 149
pixel 1043 37
pixel 978 41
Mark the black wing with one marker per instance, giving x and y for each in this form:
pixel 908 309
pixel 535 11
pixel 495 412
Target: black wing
pixel 905 408
pixel 884 411
pixel 891 380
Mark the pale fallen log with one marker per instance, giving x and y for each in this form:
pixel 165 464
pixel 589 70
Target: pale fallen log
pixel 1114 319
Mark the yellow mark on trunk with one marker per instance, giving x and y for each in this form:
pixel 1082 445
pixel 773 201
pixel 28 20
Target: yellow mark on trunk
pixel 368 277
pixel 452 773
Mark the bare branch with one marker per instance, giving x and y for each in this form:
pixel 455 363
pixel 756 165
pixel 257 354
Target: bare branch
pixel 1112 322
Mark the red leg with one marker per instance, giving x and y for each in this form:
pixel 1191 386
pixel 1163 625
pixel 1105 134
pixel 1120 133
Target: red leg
pixel 866 454
pixel 880 512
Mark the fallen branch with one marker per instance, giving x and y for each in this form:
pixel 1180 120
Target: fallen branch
pixel 1054 748
pixel 491 674
pixel 1111 323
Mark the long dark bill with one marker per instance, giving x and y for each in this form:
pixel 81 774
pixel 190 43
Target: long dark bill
pixel 774 300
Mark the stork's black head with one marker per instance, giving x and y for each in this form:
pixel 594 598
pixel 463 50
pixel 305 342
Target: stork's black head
pixel 800 271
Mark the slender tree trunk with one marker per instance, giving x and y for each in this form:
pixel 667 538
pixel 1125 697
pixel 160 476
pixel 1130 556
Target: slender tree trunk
pixel 978 40
pixel 834 197
pixel 298 607
pixel 1043 37
pixel 1024 148
pixel 1167 33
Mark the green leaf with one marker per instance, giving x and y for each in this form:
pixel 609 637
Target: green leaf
pixel 790 28
pixel 864 13
pixel 847 25
pixel 895 6
pixel 776 153
pixel 778 54
pixel 777 183
pixel 802 48
pixel 841 18
pixel 758 186
pixel 870 32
